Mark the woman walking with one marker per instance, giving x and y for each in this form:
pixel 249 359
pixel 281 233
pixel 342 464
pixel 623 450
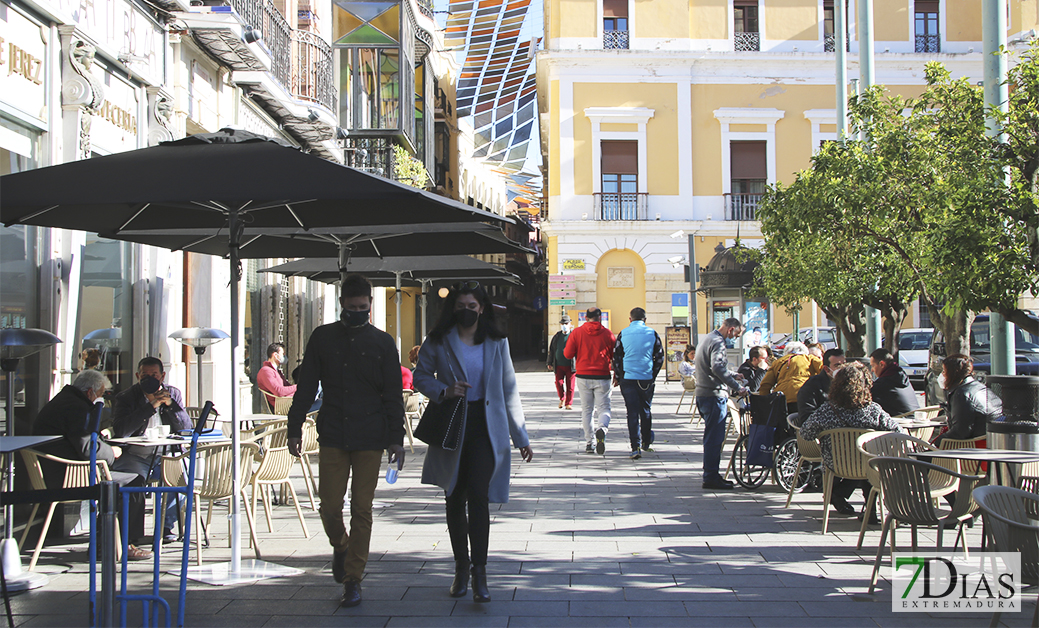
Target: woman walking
pixel 466 355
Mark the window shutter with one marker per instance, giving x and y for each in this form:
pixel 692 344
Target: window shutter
pixel 926 6
pixel 615 8
pixel 747 160
pixel 620 157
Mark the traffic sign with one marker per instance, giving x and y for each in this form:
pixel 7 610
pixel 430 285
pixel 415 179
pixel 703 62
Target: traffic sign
pixel 562 301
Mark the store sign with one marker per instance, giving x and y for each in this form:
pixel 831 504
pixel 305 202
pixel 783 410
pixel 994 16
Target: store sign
pixel 121 30
pixel 22 54
pixel 115 124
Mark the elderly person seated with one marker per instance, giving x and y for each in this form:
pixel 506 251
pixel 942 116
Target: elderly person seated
pixel 849 405
pixel 790 372
pixel 970 404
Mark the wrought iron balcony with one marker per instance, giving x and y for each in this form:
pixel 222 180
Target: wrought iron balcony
pixel 425 7
pixel 742 206
pixel 828 44
pixel 313 70
pixel 621 206
pixel 275 31
pixel 615 40
pixel 928 43
pixel 746 42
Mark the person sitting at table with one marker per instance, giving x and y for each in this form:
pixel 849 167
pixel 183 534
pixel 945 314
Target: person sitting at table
pixel 790 372
pixel 149 402
pixel 273 383
pixel 66 415
pixel 816 390
pixel 753 369
pixel 891 389
pixel 849 405
pixel 970 404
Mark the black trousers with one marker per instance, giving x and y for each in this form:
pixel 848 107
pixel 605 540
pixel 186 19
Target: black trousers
pixel 470 534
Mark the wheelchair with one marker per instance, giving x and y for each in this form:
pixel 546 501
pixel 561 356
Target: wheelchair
pixel 767 410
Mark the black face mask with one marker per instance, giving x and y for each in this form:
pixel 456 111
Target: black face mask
pixel 354 318
pixel 466 318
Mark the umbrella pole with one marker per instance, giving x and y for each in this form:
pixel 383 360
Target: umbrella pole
pixel 425 292
pixel 396 300
pixel 236 453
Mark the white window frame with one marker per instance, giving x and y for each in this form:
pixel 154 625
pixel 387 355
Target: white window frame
pixel 732 25
pixel 618 115
pixel 819 117
pixel 747 115
pixel 631 21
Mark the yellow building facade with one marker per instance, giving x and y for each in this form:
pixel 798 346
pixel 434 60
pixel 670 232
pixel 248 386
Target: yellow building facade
pixel 666 115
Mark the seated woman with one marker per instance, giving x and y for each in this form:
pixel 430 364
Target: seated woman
pixel 849 405
pixel 970 404
pixel 686 367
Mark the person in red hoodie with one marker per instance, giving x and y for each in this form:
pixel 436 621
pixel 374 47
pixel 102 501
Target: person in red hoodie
pixel 591 345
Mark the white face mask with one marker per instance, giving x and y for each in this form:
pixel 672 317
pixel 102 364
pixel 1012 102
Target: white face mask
pixel 567 327
pixel 941 381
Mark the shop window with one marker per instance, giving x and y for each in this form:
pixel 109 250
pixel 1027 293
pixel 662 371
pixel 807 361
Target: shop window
pixel 373 83
pixel 746 36
pixel 615 24
pixel 106 309
pixel 926 25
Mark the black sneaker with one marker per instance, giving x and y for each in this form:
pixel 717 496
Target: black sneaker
pixel 588 449
pixel 600 441
pixel 339 565
pixel 842 506
pixel 718 484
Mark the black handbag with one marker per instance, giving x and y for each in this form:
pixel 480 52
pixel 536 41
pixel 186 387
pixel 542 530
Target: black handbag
pixel 441 423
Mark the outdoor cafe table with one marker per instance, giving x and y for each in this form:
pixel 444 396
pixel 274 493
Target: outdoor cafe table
pixel 996 456
pixel 913 426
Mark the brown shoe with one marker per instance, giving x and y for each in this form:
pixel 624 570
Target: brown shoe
pixel 569 407
pixel 560 403
pixel 136 553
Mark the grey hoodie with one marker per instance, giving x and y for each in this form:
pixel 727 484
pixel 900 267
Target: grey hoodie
pixel 713 377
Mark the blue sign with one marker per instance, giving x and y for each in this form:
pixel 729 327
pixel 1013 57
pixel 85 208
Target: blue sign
pixel 540 303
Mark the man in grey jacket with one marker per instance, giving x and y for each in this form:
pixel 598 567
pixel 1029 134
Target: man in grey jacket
pixel 714 379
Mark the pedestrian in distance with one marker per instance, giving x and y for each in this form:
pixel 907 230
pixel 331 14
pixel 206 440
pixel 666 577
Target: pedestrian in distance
pixel 637 358
pixel 591 346
pixel 362 415
pixel 466 355
pixel 714 381
pixel 562 366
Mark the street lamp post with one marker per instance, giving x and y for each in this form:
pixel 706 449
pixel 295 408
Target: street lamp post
pixel 200 338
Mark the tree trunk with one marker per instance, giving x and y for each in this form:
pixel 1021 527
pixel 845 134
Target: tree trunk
pixel 1022 320
pixel 851 321
pixel 955 328
pixel 893 318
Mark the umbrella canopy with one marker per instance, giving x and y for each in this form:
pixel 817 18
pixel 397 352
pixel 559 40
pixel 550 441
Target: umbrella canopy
pixel 412 270
pixel 201 179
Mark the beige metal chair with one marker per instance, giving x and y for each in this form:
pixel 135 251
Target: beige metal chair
pixel 276 405
pixel 412 410
pixel 1010 526
pixel 274 469
pixel 848 463
pixel 907 496
pixel 810 454
pixel 309 448
pixel 896 445
pixel 77 475
pixel 966 466
pixel 214 462
pixel 688 386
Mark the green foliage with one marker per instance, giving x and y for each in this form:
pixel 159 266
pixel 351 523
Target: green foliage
pixel 407 169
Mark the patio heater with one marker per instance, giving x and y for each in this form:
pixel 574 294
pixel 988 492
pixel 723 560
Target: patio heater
pixel 16 344
pixel 200 338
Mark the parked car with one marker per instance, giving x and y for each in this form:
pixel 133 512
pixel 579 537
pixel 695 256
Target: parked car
pixel 1026 350
pixel 827 336
pixel 913 346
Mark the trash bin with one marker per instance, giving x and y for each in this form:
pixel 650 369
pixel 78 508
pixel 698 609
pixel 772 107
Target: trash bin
pixel 1019 393
pixel 1014 435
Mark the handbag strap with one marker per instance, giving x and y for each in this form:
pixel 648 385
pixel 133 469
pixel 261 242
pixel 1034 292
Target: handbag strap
pixel 451 357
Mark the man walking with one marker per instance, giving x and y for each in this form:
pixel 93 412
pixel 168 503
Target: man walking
pixel 637 358
pixel 563 366
pixel 362 415
pixel 591 345
pixel 713 382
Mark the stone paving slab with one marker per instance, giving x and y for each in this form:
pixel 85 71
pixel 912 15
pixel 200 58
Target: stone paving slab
pixel 587 541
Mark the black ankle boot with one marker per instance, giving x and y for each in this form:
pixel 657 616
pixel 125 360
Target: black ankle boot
pixel 460 585
pixel 480 592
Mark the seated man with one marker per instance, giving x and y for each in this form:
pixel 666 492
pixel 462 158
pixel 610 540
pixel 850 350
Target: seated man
pixel 149 401
pixel 814 393
pixel 753 369
pixel 66 415
pixel 790 372
pixel 891 389
pixel 273 382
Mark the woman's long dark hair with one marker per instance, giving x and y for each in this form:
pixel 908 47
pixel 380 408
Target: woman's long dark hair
pixel 485 326
pixel 959 367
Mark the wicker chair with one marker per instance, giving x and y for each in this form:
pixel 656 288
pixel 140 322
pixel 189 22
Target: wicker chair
pixel 848 462
pixel 1009 515
pixel 275 467
pixel 77 475
pixel 214 484
pixel 896 445
pixel 276 405
pixel 810 454
pixel 907 496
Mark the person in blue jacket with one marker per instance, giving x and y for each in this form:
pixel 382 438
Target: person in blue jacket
pixel 637 359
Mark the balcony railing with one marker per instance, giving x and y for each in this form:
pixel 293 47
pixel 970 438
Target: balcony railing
pixel 622 206
pixel 276 32
pixel 746 42
pixel 615 40
pixel 425 7
pixel 828 43
pixel 928 43
pixel 742 206
pixel 313 76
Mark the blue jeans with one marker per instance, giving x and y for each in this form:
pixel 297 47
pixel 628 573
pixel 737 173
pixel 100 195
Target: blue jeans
pixel 714 411
pixel 638 397
pixel 130 463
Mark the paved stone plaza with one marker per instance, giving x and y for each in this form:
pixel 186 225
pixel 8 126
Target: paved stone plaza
pixel 585 541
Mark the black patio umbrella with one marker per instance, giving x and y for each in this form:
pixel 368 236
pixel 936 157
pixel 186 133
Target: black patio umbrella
pixel 226 190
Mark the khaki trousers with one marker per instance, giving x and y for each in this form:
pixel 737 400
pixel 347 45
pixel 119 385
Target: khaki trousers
pixel 334 471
